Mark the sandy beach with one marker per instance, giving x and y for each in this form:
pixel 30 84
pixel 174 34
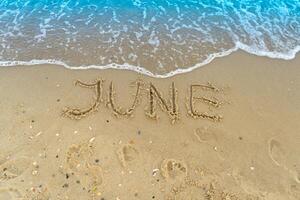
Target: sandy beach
pixel 229 130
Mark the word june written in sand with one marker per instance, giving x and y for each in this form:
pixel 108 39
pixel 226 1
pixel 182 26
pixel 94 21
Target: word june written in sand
pixel 201 101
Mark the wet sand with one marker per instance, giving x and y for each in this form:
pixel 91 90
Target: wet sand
pixel 250 152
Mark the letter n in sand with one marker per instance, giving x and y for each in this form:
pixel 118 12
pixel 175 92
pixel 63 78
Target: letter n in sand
pixel 171 108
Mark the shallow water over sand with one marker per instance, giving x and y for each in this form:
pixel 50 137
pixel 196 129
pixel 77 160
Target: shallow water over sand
pixel 155 36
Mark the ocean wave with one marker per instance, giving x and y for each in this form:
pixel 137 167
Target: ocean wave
pixel 153 37
pixel 144 71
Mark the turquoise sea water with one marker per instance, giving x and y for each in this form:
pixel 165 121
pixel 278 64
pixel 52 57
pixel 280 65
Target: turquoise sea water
pixel 156 37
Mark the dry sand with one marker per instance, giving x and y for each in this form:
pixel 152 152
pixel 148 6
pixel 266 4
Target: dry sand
pixel 252 153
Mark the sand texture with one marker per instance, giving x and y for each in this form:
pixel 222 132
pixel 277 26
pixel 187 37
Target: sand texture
pixel 226 131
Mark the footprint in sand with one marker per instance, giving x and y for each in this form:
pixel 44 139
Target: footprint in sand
pixel 278 156
pixel 79 161
pixel 216 139
pixel 10 194
pixel 205 134
pixel 276 152
pixel 126 154
pixel 78 155
pixel 173 169
pixel 13 168
pixel 91 177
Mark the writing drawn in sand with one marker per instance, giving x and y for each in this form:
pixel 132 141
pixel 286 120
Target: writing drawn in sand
pixel 155 100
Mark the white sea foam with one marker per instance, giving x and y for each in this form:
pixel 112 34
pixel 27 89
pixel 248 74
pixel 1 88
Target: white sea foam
pixel 288 56
pixel 156 38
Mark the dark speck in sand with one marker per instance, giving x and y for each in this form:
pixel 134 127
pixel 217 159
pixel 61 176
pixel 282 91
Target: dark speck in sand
pixel 139 132
pixel 32 121
pixel 58 100
pixel 240 138
pixel 107 121
pixel 97 160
